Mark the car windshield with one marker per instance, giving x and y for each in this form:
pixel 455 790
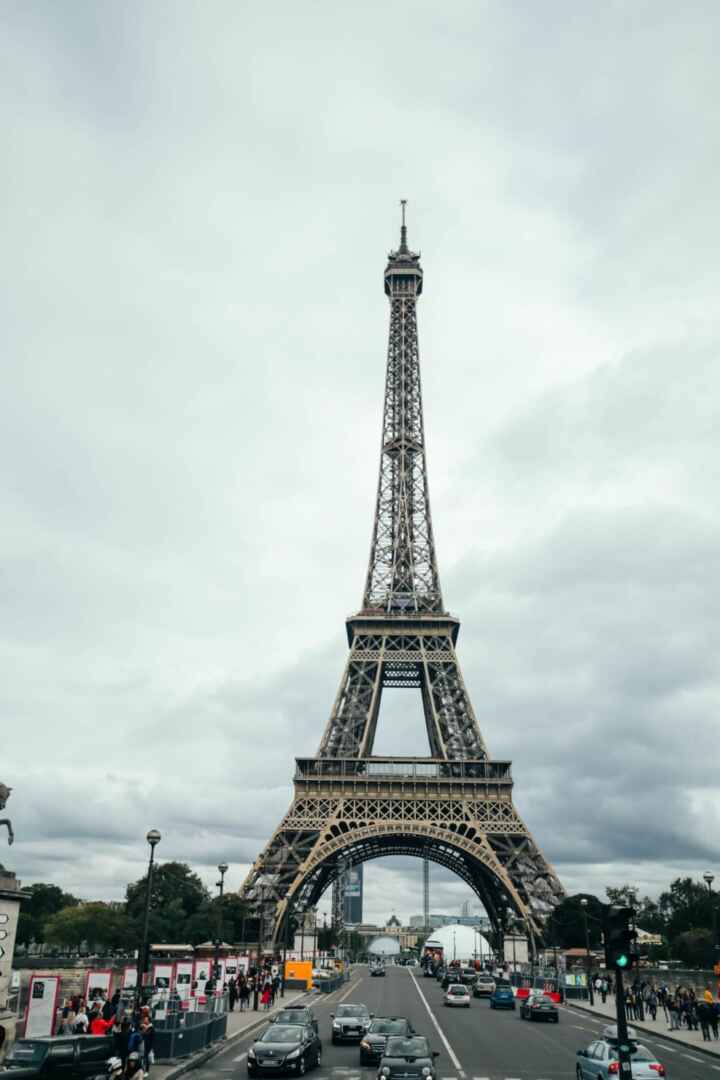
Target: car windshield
pixel 457 991
pixel 541 999
pixel 282 1033
pixel 416 1047
pixel 388 1027
pixel 352 1010
pixel 288 1016
pixel 639 1054
pixel 27 1052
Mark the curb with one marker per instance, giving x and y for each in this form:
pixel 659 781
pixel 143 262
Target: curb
pixel 714 1055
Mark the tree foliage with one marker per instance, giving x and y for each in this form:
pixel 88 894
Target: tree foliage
pixel 566 927
pixel 93 926
pixel 44 901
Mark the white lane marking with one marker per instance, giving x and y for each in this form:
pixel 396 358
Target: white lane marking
pixel 669 1049
pixel 715 1067
pixel 240 1057
pixel 354 986
pixel 691 1058
pixel 451 1053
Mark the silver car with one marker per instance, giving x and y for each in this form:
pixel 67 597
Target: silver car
pixel 600 1062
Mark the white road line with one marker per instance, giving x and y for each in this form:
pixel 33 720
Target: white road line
pixel 351 988
pixel 240 1057
pixel 715 1067
pixel 669 1049
pixel 451 1053
pixel 691 1058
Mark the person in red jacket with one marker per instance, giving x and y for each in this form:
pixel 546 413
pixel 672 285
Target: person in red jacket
pixel 98 1026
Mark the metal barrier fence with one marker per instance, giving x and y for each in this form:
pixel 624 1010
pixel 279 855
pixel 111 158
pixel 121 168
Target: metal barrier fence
pixel 180 1032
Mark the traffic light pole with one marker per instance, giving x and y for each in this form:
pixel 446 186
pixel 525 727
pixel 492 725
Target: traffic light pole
pixel 622 1031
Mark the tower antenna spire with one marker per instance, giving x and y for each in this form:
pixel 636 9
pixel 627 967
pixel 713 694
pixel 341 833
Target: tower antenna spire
pixel 403 227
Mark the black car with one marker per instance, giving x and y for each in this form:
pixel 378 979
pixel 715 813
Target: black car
pixel 372 1046
pixel 65 1057
pixel 408 1057
pixel 377 969
pixel 539 1007
pixel 296 1014
pixel 468 976
pixel 287 1048
pixel 350 1023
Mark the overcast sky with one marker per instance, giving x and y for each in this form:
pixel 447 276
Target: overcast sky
pixel 198 199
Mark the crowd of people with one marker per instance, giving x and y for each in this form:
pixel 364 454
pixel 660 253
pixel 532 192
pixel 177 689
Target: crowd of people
pixel 682 1007
pixel 257 988
pixel 132 1031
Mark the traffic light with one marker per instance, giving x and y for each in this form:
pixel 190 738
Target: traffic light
pixel 620 949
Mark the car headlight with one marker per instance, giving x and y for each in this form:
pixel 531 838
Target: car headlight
pixel 251 1053
pixel 336 1025
pixel 385 1071
pixel 426 1071
pixel 365 1045
pixel 293 1054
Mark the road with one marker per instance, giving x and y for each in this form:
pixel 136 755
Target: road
pixel 474 1044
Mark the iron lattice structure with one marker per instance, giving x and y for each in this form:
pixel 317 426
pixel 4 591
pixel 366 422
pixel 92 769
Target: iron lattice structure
pixel 454 808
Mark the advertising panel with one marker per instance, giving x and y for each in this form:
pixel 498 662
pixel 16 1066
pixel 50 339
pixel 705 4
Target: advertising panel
pixel 162 976
pixel 42 1006
pixel 129 979
pixel 202 974
pixel 183 978
pixel 97 984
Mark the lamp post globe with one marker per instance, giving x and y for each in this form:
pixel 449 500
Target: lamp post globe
pixel 708 878
pixel 223 868
pixel 153 837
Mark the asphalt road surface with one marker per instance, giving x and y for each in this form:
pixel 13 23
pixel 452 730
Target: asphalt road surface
pixel 478 1043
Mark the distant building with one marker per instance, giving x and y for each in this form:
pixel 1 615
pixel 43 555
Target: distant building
pixel 417 922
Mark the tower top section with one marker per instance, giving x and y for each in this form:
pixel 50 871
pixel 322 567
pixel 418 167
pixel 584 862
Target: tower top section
pixel 403 273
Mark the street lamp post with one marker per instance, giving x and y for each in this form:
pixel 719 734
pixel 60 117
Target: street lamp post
pixel 583 905
pixel 223 868
pixel 708 878
pixel 153 838
pixel 512 928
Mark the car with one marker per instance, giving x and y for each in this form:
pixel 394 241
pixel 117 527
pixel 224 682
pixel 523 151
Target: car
pixel 409 1057
pixel 372 1045
pixel 457 995
pixel 285 1048
pixel 64 1056
pixel 350 1023
pixel 377 969
pixel 539 1006
pixel 600 1061
pixel 468 975
pixel 502 997
pixel 483 986
pixel 295 1014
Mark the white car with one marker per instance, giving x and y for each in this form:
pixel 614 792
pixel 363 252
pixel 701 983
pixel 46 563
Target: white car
pixel 457 994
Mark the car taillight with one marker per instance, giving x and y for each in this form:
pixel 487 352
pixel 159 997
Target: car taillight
pixel 614 1067
pixel 657 1067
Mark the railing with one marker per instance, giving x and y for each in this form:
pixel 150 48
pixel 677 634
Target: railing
pixel 412 768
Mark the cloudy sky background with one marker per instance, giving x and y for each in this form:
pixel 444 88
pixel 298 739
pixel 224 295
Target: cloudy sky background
pixel 197 204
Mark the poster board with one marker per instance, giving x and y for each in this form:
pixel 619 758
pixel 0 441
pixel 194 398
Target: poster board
pixel 183 978
pixel 202 974
pixel 231 968
pixel 97 983
pixel 299 969
pixel 129 978
pixel 222 966
pixel 42 1006
pixel 163 976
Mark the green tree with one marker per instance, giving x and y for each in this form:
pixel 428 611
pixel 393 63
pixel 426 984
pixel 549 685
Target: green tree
pixel 177 897
pixel 44 901
pixel 95 925
pixel 566 926
pixel 692 947
pixel 686 905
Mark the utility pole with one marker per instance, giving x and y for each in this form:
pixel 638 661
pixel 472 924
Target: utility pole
pixel 426 894
pixel 583 905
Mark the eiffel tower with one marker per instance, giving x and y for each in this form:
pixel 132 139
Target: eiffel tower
pixel 455 807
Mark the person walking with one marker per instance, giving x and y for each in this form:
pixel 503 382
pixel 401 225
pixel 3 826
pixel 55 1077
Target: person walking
pixel 148 1037
pixel 603 989
pixel 232 995
pixel 652 1003
pixel 265 997
pixel 673 1008
pixel 121 1038
pixel 703 1010
pixel 81 1022
pixel 244 995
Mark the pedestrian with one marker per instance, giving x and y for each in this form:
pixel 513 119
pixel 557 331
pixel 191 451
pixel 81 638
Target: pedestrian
pixel 714 1018
pixel 673 1008
pixel 603 990
pixel 135 1042
pixel 265 998
pixel 148 1036
pixel 232 995
pixel 121 1037
pixel 134 1067
pixel 244 995
pixel 652 1003
pixel 81 1022
pixel 98 1025
pixel 703 1010
pixel 629 1004
pixel 67 1021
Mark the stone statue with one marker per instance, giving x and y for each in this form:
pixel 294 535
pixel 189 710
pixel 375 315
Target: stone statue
pixel 4 796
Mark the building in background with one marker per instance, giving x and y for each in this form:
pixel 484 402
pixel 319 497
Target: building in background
pixel 481 922
pixel 353 905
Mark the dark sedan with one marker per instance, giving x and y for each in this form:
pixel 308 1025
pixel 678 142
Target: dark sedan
pixel 350 1023
pixel 372 1045
pixel 539 1007
pixel 408 1058
pixel 286 1048
pixel 296 1014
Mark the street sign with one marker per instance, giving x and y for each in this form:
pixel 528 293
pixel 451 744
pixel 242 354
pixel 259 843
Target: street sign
pixel 3 935
pixel 4 918
pixel 2 952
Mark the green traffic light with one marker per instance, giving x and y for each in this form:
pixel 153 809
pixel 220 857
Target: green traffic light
pixel 622 961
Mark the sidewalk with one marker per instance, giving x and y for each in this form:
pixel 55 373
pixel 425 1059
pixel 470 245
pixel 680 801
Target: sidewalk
pixel 659 1027
pixel 239 1023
